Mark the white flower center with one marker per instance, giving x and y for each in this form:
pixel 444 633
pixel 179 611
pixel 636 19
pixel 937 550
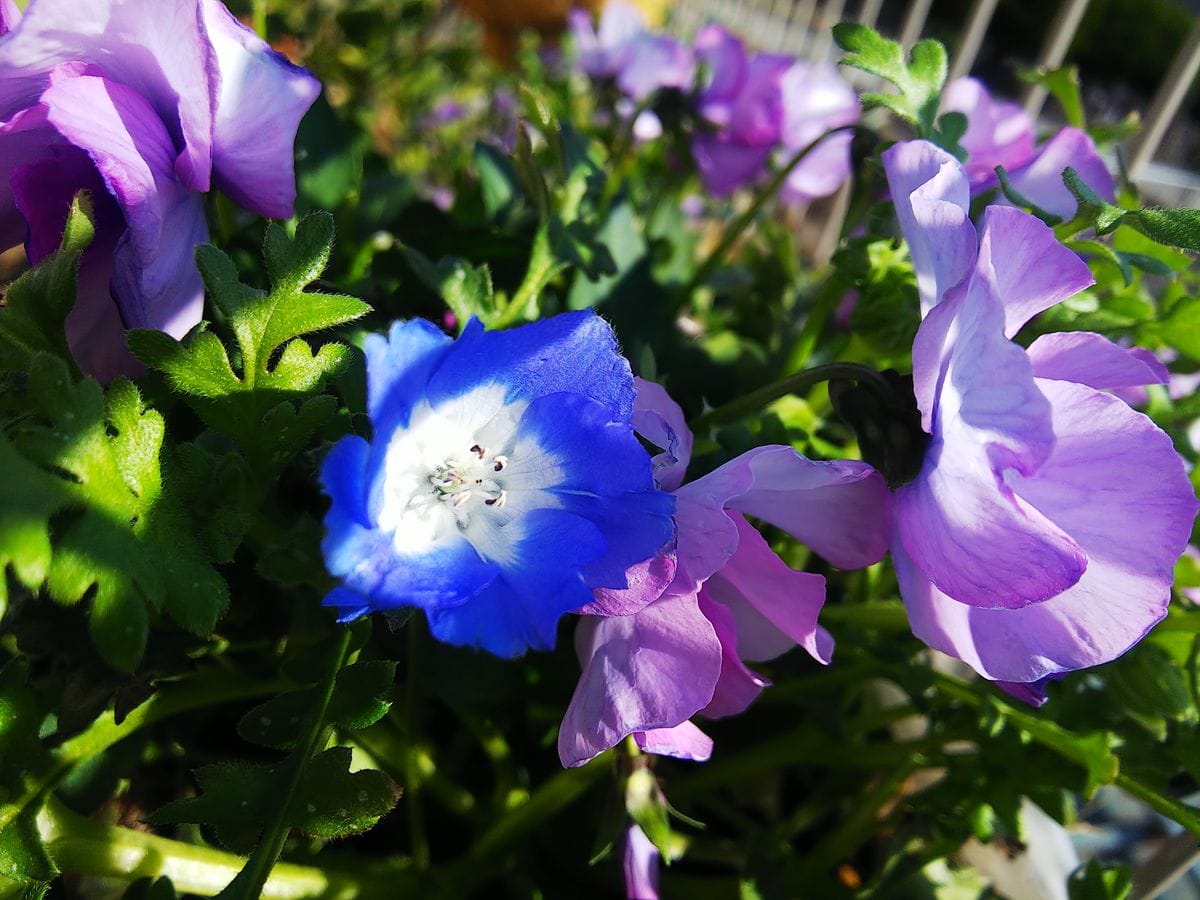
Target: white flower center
pixel 461 467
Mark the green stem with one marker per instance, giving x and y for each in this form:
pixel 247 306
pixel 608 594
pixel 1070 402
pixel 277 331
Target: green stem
pixel 260 18
pixel 1102 768
pixel 419 843
pixel 1186 816
pixel 819 313
pixel 792 384
pixel 80 846
pixel 742 222
pixel 250 881
pixel 542 269
pixel 480 862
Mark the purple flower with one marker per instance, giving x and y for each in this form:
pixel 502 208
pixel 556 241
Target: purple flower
pixel 816 99
pixel 673 643
pixel 1014 547
pixel 999 133
pixel 742 101
pixel 148 105
pixel 602 51
pixel 640 863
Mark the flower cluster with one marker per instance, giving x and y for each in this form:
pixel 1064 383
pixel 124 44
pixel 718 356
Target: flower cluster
pixel 149 107
pixel 746 110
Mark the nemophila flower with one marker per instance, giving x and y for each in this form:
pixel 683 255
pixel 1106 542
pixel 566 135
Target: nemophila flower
pixel 148 105
pixel 1041 533
pixel 502 485
pixel 673 643
pixel 1000 133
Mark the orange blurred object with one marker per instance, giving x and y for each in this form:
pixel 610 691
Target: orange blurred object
pixel 504 20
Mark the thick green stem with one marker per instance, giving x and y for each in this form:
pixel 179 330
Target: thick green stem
pixel 258 868
pixel 480 862
pixel 734 232
pixel 792 384
pixel 888 615
pixel 80 846
pixel 418 842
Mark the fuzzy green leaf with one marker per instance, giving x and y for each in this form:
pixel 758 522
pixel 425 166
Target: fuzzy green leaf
pixel 256 401
pixel 919 80
pixel 126 542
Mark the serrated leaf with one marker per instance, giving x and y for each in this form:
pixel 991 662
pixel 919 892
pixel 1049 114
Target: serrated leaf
pixel 333 802
pixel 125 542
pixel 466 289
pixel 247 402
pixel 919 79
pixel 232 799
pixel 28 498
pixel 34 314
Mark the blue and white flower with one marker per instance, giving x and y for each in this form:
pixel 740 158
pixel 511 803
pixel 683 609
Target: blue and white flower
pixel 504 482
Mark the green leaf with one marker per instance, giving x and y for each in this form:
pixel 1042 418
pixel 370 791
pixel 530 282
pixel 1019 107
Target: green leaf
pixel 465 288
pixel 232 798
pixel 334 802
pixel 1063 85
pixel 26 869
pixel 28 498
pixel 498 180
pixel 127 542
pixel 34 314
pixel 648 808
pixel 267 406
pixel 919 80
pixel 1181 327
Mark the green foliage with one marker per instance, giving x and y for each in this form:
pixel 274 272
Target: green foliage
pixel 1063 85
pixel 270 403
pixel 1098 882
pixel 919 79
pixel 253 807
pixel 34 314
pixel 127 543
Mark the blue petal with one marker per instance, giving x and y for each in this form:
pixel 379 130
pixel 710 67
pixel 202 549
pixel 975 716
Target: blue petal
pixel 539 583
pixel 605 476
pixel 365 558
pixel 350 604
pixel 574 352
pixel 398 369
